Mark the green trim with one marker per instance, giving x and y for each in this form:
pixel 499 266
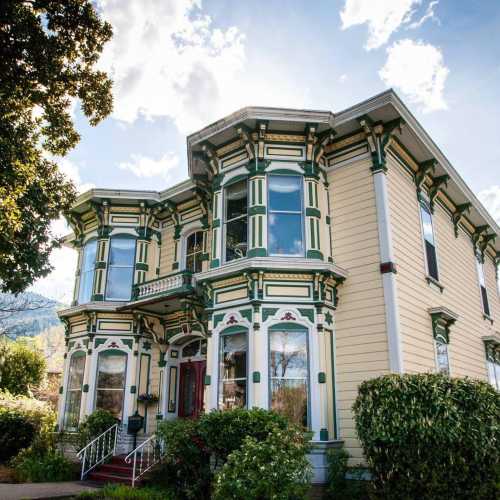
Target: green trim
pixel 257 252
pixel 217 319
pixel 257 210
pixel 247 314
pixel 100 265
pixel 236 179
pixel 215 223
pixel 128 342
pixel 285 171
pixel 230 330
pixel 98 342
pixel 85 388
pixel 287 326
pixel 97 297
pixel 314 254
pixel 256 377
pixel 214 263
pixel 61 389
pixel 133 389
pixel 141 267
pixel 323 435
pixel 327 219
pixel 313 212
pixel 207 380
pixel 267 312
pixel 175 266
pixel 321 378
pixel 159 416
pixel 307 313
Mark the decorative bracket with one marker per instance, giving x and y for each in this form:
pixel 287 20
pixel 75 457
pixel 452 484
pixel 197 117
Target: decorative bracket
pixel 437 182
pixel 484 243
pixel 442 319
pixel 457 215
pixel 310 134
pixel 244 134
pixel 261 136
pixel 476 235
pixel 324 140
pixel 210 156
pixel 424 168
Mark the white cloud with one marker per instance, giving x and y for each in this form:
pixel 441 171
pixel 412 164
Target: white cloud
pixel 490 198
pixel 418 70
pixel 143 166
pixel 72 171
pixel 343 78
pixel 383 17
pixel 429 14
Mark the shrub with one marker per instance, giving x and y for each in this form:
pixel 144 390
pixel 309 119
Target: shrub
pixel 123 492
pixel 224 431
pixel 22 368
pixel 95 424
pixel 276 468
pixel 344 482
pixel 30 466
pixel 185 467
pixel 430 436
pixel 21 420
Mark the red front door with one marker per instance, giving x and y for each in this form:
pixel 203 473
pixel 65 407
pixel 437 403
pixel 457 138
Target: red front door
pixel 191 386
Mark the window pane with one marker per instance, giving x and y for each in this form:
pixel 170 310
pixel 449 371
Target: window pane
pixel 87 272
pixel 72 410
pixel 233 371
pixel 122 252
pixel 233 394
pixel 236 239
pixel 288 372
pixel 491 373
pixel 191 349
pixel 285 234
pixel 193 263
pixel 480 272
pixel 427 224
pixel 110 400
pixel 89 254
pixel 236 200
pixel 442 357
pixel 497 373
pixel 76 369
pixel 430 253
pixel 119 283
pixel 111 371
pixel 194 242
pixel 284 193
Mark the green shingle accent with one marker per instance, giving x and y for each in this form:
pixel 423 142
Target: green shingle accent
pixel 247 314
pixel 133 389
pixel 85 388
pixel 267 312
pixel 217 319
pixel 256 377
pixel 308 313
pixel 259 210
pixel 323 435
pixel 207 380
pixel 257 252
pixel 321 377
pixel 314 254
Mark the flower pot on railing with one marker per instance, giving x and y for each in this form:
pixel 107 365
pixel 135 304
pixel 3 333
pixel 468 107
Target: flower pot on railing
pixel 147 399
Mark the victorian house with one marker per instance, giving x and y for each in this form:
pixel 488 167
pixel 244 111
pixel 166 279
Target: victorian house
pixel 308 251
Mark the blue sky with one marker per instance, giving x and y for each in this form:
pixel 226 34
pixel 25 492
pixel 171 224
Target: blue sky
pixel 178 65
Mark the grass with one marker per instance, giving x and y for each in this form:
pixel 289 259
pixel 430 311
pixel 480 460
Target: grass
pixel 123 492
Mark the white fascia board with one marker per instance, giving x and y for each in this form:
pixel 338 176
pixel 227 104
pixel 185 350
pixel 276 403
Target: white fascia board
pixel 91 306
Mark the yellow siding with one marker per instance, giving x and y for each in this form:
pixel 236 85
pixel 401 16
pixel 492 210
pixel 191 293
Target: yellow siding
pixel 167 250
pixel 458 275
pixel 360 327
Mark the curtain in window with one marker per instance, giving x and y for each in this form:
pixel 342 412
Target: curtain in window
pixel 87 272
pixel 121 269
pixel 285 217
pixel 233 371
pixel 74 391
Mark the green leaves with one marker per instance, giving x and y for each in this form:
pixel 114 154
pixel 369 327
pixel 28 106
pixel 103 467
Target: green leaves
pixel 48 50
pixel 430 436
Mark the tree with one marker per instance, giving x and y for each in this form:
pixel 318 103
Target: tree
pixel 21 368
pixel 48 53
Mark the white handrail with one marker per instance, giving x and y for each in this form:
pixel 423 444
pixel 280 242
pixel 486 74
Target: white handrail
pixel 145 456
pixel 98 450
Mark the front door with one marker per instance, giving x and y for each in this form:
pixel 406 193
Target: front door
pixel 192 374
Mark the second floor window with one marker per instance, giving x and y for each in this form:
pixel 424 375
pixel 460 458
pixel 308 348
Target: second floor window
pixel 87 272
pixel 430 245
pixel 285 233
pixel 194 251
pixel 121 268
pixel 236 222
pixel 482 285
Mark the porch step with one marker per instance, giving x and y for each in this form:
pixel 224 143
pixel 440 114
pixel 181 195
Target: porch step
pixel 115 471
pixel 101 477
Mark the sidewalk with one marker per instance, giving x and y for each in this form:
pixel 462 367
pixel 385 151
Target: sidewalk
pixel 43 490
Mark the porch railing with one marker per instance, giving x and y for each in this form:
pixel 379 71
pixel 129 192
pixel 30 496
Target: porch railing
pixel 162 285
pixel 98 450
pixel 145 456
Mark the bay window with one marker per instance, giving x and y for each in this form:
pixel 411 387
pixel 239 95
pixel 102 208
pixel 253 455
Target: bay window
pixel 429 242
pixel 289 374
pixel 120 268
pixel 236 220
pixel 285 215
pixel 110 384
pixel 74 391
pixel 87 269
pixel 233 371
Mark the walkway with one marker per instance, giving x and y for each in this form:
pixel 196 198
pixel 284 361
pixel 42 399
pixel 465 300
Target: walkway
pixel 43 490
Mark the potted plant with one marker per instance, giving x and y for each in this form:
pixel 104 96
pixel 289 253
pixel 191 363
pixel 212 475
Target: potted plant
pixel 147 399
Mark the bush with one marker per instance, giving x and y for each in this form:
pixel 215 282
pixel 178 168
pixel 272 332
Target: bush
pixel 30 466
pixel 22 368
pixel 95 424
pixel 224 431
pixel 185 467
pixel 122 492
pixel 276 468
pixel 344 482
pixel 21 420
pixel 430 436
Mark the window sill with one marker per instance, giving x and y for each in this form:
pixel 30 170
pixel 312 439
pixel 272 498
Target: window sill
pixel 434 282
pixel 487 318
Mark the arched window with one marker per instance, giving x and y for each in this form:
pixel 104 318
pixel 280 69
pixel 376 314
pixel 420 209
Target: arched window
pixel 194 251
pixel 87 272
pixel 289 373
pixel 74 391
pixel 121 268
pixel 110 384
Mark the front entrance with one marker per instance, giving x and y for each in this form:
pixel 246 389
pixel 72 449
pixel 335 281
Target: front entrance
pixel 192 374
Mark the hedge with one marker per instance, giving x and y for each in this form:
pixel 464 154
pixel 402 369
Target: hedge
pixel 429 436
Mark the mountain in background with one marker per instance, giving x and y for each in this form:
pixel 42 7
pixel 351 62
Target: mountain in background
pixel 32 318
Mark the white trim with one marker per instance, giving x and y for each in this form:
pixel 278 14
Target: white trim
pixel 388 279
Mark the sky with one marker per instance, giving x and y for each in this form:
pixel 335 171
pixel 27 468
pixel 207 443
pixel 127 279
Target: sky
pixel 178 65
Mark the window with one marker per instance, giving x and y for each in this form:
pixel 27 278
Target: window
pixel 430 246
pixel 482 285
pixel 87 272
pixel 289 374
pixel 121 269
pixel 74 391
pixel 236 221
pixel 194 251
pixel 233 371
pixel 195 348
pixel 493 370
pixel 111 370
pixel 442 360
pixel 285 233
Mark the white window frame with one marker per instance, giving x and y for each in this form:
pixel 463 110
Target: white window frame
pixel 82 272
pixel 225 221
pixel 424 201
pixel 442 340
pixel 185 246
pixel 481 273
pixel 109 266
